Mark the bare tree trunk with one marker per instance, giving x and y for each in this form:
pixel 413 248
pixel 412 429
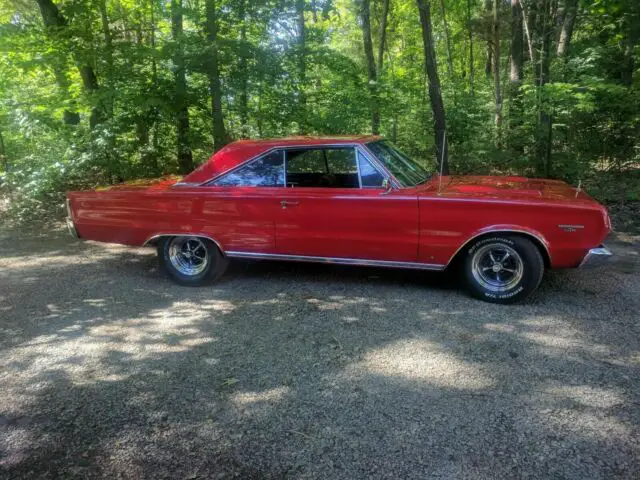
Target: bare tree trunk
pixel 302 68
pixel 568 22
pixel 220 138
pixel 471 63
pixel 185 157
pixel 365 17
pixel 435 94
pixel 446 40
pixel 496 71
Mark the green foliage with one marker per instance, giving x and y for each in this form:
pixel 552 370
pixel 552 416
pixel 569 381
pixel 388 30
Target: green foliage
pixel 593 109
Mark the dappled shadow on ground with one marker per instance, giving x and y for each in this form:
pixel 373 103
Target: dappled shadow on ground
pixel 280 370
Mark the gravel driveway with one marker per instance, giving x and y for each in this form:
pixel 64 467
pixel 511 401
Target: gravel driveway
pixel 107 369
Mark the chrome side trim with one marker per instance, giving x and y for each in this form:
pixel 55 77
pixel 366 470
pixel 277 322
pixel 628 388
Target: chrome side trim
pixel 502 230
pixel 596 256
pixel 335 260
pixel 183 234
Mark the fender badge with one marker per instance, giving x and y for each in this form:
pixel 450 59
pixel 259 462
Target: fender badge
pixel 570 228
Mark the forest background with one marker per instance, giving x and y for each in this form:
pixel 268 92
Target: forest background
pixel 95 92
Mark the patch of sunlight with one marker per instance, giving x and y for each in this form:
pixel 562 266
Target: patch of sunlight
pixel 223 306
pixel 424 361
pixel 350 319
pixel 250 398
pixel 586 424
pixel 559 335
pixel 498 327
pixel 587 395
pixel 96 302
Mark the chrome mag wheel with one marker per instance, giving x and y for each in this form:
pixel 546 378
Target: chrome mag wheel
pixel 497 267
pixel 188 255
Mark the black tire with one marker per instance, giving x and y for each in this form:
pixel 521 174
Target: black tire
pixel 511 280
pixel 202 274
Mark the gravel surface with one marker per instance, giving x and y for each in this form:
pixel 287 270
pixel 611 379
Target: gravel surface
pixel 109 370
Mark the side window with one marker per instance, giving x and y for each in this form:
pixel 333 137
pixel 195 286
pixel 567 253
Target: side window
pixel 369 176
pixel 306 161
pixel 267 171
pixel 322 167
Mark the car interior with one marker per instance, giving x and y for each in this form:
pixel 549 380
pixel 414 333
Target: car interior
pixel 328 168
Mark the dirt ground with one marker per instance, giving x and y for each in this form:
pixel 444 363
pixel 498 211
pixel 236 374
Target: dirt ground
pixel 109 370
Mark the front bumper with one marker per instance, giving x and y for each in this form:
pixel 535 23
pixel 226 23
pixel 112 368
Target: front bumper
pixel 596 256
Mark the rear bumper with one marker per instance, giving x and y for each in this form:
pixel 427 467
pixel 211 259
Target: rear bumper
pixel 72 228
pixel 70 225
pixel 596 256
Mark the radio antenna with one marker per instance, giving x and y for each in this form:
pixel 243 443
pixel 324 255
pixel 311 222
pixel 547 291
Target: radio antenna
pixel 444 142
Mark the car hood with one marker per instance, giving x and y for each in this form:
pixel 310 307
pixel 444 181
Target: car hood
pixel 505 188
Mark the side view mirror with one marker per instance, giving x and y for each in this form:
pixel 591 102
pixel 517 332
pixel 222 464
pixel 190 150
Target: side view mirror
pixel 388 187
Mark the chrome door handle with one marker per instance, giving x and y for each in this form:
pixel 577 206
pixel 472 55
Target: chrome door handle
pixel 285 203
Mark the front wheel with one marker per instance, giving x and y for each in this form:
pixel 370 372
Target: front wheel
pixel 503 268
pixel 191 261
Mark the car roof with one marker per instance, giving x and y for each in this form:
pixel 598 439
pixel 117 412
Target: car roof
pixel 240 151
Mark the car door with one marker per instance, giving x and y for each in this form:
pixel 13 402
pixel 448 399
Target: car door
pixel 335 206
pixel 239 207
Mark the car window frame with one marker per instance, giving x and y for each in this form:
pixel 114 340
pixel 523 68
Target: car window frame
pixel 357 147
pixel 211 182
pixel 325 147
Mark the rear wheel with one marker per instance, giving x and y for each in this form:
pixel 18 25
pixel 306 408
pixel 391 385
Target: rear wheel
pixel 503 268
pixel 191 261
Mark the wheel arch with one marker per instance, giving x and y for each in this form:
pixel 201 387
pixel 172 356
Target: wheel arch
pixel 154 239
pixel 538 240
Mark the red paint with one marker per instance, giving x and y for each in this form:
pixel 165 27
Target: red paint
pixel 426 224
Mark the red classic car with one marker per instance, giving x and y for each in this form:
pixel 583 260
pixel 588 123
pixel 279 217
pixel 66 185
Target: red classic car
pixel 348 200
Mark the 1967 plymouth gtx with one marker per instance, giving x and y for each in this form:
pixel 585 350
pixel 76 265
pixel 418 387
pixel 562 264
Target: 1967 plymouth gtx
pixel 349 200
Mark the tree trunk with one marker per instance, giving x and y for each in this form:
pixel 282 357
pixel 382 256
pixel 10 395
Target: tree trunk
pixel 527 32
pixel 632 33
pixel 365 16
pixel 302 68
pixel 383 35
pixel 496 72
pixel 3 154
pixel 435 94
pixel 108 50
pixel 545 12
pixel 220 138
pixel 54 21
pixel 488 64
pixel 185 157
pixel 516 46
pixel 446 40
pixel 471 63
pixel 568 22
pixel 243 72
pixel 515 77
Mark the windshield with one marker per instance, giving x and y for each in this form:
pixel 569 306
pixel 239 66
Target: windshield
pixel 406 171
